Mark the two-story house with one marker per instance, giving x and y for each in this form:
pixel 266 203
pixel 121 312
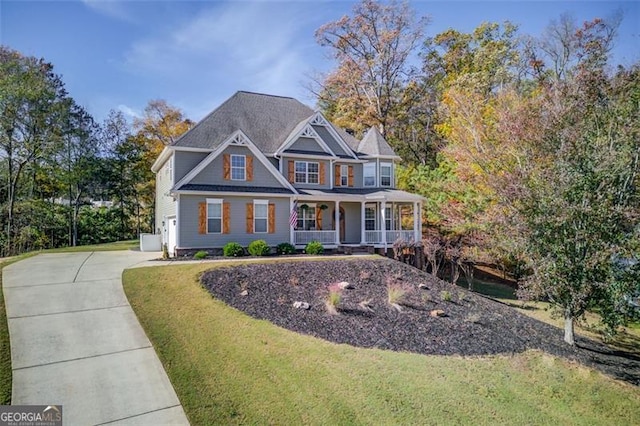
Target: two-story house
pixel 269 167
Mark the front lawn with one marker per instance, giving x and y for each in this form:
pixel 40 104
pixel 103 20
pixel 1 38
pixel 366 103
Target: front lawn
pixel 229 368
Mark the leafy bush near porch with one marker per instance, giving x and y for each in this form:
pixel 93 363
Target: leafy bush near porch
pixel 200 255
pixel 314 247
pixel 285 248
pixel 233 250
pixel 258 248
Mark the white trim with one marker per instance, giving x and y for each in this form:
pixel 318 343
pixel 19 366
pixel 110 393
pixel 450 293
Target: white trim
pixel 232 193
pixel 306 131
pixel 162 158
pixel 221 203
pixel 306 172
pixel 385 164
pixel 178 220
pixel 382 157
pixel 261 203
pixel 304 156
pixel 231 167
pixel 237 137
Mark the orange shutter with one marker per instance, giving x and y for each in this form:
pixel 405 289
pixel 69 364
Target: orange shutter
pixel 249 218
pixel 350 175
pixel 226 218
pixel 202 218
pixel 321 166
pixel 249 167
pixel 337 173
pixel 318 218
pixel 272 218
pixel 292 175
pixel 226 167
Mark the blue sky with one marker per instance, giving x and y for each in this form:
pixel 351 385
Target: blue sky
pixel 195 54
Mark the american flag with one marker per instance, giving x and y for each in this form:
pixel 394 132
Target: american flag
pixel 293 218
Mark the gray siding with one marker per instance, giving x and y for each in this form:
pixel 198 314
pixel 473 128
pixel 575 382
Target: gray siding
pixel 190 238
pixel 306 144
pixel 328 172
pixel 329 140
pixel 165 206
pixel 213 173
pixel 186 161
pixel 357 173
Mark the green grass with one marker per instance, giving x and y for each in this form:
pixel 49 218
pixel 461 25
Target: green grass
pixel 5 347
pixel 228 368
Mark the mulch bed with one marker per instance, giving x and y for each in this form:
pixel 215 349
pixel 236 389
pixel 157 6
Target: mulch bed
pixel 473 325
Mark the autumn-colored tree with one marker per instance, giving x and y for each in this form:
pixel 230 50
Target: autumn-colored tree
pixel 373 48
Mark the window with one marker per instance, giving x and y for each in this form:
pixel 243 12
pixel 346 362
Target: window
pixel 238 167
pixel 260 215
pixel 307 172
pixel 344 175
pixel 385 174
pixel 214 216
pixel 370 217
pixel 307 218
pixel 388 218
pixel 370 174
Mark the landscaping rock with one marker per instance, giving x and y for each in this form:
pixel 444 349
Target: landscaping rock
pixel 423 286
pixel 244 293
pixel 437 313
pixel 345 285
pixel 478 327
pixel 301 305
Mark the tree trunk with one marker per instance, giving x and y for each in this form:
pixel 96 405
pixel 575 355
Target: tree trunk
pixel 568 328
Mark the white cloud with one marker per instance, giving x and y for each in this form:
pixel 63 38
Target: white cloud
pixel 113 8
pixel 128 111
pixel 228 47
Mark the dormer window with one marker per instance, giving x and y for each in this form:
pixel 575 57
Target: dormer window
pixel 238 163
pixel 369 174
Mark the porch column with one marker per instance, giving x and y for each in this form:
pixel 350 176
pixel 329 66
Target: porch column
pixel 416 222
pixel 363 238
pixel 336 220
pixel 291 227
pixel 383 227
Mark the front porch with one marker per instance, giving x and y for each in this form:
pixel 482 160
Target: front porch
pixel 356 223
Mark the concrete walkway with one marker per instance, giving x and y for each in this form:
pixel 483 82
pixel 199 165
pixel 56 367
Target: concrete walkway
pixel 76 342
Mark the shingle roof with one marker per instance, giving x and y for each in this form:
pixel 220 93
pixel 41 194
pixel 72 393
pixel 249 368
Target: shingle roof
pixel 230 188
pixel 374 143
pixel 266 119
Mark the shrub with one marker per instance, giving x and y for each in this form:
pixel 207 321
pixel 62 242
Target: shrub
pixel 334 298
pixel 395 292
pixel 233 250
pixel 285 248
pixel 314 247
pixel 445 295
pixel 200 255
pixel 258 248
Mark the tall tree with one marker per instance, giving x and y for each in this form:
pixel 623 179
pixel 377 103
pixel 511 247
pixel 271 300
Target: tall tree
pixel 32 104
pixel 373 48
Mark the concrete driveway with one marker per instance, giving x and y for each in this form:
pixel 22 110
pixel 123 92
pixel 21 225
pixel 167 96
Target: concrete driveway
pixel 76 342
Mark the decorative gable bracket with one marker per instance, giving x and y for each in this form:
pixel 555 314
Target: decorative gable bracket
pixel 238 139
pixel 319 120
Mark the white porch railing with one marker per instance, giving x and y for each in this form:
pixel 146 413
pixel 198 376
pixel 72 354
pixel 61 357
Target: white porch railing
pixel 375 237
pixel 305 237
